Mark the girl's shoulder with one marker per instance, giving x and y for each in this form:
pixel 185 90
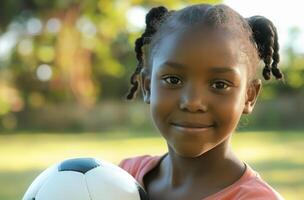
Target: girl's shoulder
pixel 249 187
pixel 138 166
pixel 136 163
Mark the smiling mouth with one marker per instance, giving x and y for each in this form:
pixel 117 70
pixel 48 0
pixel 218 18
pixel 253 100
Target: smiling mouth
pixel 192 127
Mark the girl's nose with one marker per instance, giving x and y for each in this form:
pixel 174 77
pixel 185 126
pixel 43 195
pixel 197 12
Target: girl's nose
pixel 193 100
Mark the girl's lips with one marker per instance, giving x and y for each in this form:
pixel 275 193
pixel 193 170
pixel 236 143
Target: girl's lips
pixel 192 127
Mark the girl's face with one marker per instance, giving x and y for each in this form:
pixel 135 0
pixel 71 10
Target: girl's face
pixel 197 89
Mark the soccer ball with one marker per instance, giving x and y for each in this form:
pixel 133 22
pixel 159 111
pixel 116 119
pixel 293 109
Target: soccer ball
pixel 85 179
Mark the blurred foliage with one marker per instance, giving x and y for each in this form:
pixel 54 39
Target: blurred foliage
pixel 81 52
pixel 68 51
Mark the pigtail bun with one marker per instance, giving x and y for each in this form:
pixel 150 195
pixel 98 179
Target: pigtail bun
pixel 154 18
pixel 265 35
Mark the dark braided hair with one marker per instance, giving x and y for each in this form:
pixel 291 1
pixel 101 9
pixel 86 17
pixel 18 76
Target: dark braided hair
pixel 153 19
pixel 257 32
pixel 266 38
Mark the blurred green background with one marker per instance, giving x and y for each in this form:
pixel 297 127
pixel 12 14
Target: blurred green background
pixel 64 73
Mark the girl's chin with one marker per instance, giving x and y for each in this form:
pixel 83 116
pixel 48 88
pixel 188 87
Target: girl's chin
pixel 190 152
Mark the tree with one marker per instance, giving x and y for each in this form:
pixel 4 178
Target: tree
pixel 68 51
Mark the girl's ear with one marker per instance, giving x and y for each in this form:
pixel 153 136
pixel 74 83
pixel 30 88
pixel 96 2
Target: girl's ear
pixel 145 81
pixel 252 95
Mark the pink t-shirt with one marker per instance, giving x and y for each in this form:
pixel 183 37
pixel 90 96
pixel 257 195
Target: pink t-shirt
pixel 249 187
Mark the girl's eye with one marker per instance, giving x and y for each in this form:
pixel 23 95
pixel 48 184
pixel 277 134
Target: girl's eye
pixel 220 85
pixel 172 80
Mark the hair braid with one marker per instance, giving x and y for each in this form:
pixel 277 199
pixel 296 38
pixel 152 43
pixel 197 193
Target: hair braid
pixel 276 57
pixel 154 18
pixel 265 35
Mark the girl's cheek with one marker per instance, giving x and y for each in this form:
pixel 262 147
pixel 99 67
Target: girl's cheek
pixel 229 108
pixel 161 94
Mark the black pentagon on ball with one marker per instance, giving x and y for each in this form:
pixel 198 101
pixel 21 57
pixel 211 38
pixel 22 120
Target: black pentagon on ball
pixel 142 193
pixel 81 165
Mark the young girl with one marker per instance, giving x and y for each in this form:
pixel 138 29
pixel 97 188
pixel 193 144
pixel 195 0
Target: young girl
pixel 197 70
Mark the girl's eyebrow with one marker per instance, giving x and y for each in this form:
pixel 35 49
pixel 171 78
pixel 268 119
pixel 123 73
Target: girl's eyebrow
pixel 218 70
pixel 224 70
pixel 173 64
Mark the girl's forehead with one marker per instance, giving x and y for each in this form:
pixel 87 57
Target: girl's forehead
pixel 205 46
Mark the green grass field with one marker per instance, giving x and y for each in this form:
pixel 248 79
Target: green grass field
pixel 277 156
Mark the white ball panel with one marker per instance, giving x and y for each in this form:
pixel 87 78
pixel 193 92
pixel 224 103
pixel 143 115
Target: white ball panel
pixel 39 181
pixel 65 185
pixel 117 170
pixel 105 182
pixel 111 182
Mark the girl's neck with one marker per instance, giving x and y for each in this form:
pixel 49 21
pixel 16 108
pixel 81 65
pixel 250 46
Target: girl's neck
pixel 218 163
